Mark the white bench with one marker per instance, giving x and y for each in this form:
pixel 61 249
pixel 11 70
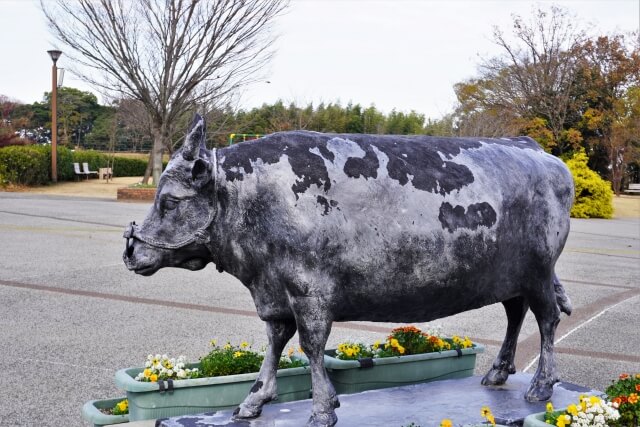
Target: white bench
pixel 633 188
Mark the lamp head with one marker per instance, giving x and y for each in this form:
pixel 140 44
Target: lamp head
pixel 54 54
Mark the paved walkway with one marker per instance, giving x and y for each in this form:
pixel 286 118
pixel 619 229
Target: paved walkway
pixel 72 314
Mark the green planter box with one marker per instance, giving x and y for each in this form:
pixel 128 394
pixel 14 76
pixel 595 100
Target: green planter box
pixel 351 376
pixel 91 412
pixel 194 396
pixel 537 420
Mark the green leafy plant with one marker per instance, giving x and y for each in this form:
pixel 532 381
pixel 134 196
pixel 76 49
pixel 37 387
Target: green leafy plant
pixel 593 195
pixel 121 408
pixel 141 185
pixel 624 395
pixel 231 360
pixel 402 341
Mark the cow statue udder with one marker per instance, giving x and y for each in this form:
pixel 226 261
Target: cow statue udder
pixel 326 227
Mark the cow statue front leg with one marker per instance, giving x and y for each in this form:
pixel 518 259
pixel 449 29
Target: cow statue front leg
pixel 265 390
pixel 314 327
pixel 503 366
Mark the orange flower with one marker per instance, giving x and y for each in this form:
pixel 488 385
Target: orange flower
pixel 407 329
pixel 637 387
pixel 624 376
pixel 633 398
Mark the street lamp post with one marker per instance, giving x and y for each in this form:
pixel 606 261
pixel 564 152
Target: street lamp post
pixel 54 54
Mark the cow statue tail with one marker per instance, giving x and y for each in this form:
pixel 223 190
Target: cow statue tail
pixel 564 303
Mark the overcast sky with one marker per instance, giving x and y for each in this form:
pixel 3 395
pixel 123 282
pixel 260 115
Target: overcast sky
pixel 391 53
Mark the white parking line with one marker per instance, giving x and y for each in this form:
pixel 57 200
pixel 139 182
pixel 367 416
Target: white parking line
pixel 586 322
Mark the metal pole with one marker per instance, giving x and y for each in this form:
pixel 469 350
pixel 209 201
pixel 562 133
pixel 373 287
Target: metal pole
pixel 54 122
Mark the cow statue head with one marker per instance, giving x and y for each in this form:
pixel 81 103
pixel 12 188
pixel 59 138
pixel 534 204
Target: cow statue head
pixel 176 231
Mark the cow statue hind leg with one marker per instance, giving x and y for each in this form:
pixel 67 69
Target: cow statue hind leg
pixel 546 309
pixel 503 366
pixel 314 327
pixel 264 390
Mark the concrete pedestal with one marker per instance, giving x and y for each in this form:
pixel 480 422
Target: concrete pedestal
pixel 424 404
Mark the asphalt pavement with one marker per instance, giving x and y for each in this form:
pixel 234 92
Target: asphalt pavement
pixel 71 314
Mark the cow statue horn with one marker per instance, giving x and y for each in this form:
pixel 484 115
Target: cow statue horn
pixel 195 138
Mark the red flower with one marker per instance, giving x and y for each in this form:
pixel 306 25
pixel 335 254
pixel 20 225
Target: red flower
pixel 637 387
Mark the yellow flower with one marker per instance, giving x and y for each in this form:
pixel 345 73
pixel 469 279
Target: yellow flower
pixel 549 407
pixel 400 349
pixel 563 421
pixel 394 342
pixel 147 373
pixel 486 413
pixel 300 350
pixel 446 423
pixel 633 398
pixel 227 346
pixel 237 354
pixel 244 344
pixel 594 400
pixel 376 345
pixel 212 343
pixel 153 378
pixel 348 351
pixel 573 410
pixel 290 352
pixel 123 405
pixel 467 343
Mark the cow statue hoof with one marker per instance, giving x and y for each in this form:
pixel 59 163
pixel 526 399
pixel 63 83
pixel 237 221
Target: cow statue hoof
pixel 326 419
pixel 540 391
pixel 495 376
pixel 499 373
pixel 247 411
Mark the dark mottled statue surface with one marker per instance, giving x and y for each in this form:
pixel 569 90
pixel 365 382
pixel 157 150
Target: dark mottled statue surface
pixel 324 228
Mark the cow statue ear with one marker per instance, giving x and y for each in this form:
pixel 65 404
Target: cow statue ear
pixel 195 138
pixel 201 172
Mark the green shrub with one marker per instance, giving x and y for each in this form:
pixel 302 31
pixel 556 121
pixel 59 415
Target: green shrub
pixel 593 197
pixel 26 165
pixel 124 166
pixel 31 164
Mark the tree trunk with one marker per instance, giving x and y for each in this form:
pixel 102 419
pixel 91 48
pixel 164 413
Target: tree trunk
pixel 160 138
pixel 147 171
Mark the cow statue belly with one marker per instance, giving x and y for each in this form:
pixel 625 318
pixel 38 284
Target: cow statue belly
pixel 323 228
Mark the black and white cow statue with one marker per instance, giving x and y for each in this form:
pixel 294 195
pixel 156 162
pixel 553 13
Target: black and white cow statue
pixel 326 227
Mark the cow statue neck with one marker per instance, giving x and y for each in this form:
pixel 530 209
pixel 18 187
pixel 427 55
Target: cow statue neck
pixel 324 227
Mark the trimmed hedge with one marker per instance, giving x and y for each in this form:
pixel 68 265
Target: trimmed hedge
pixel 31 164
pixel 594 196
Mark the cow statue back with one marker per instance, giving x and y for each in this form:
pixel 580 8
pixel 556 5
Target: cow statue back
pixel 326 227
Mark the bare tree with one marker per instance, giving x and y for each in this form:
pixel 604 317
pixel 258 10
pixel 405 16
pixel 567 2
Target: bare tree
pixel 536 74
pixel 171 55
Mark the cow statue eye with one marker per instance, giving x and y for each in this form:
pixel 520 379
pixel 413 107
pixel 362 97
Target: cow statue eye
pixel 170 204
